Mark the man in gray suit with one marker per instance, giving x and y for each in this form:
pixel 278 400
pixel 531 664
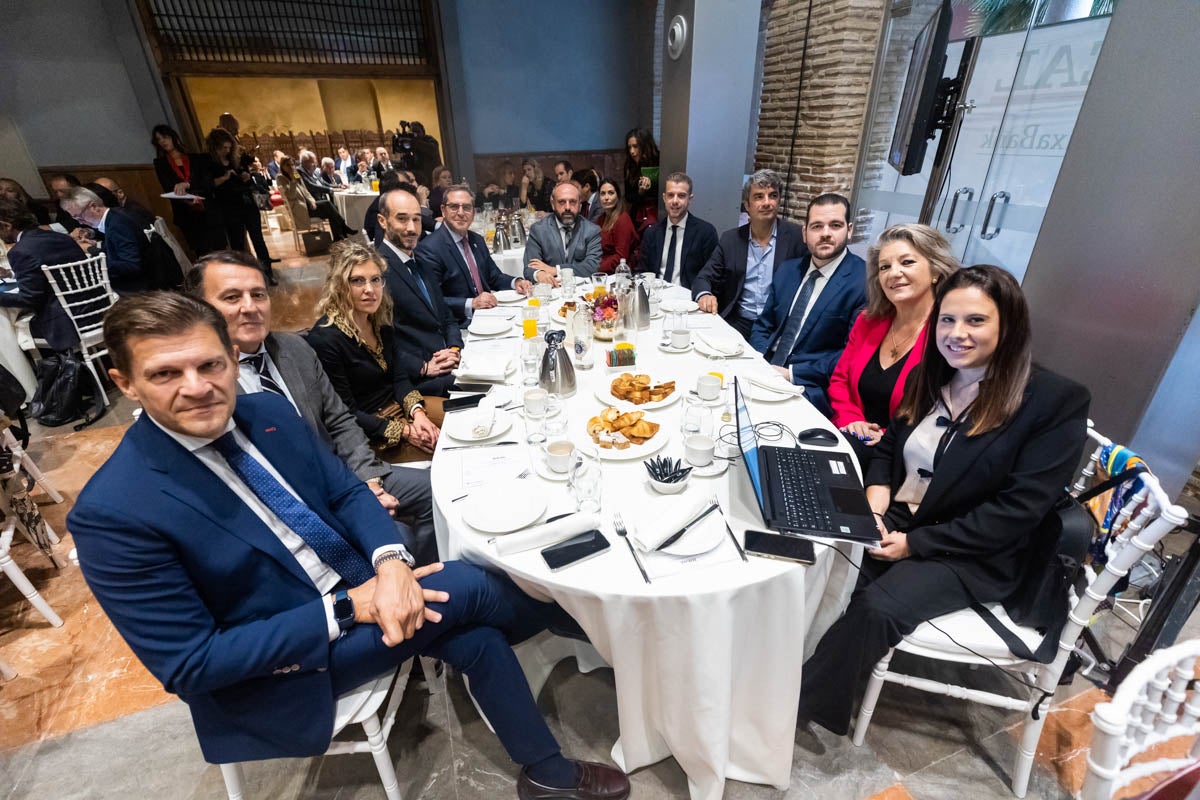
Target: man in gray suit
pixel 562 239
pixel 284 364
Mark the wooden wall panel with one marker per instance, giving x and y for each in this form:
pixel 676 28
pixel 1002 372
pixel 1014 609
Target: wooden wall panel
pixel 138 180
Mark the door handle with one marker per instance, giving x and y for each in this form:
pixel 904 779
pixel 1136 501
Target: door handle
pixel 950 226
pixel 987 218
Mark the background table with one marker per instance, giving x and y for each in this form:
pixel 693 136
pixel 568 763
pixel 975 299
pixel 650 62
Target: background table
pixel 511 261
pixel 353 206
pixel 707 662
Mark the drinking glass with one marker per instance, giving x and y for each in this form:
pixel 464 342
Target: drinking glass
pixel 599 279
pixel 536 405
pixel 529 321
pixel 567 276
pixel 697 417
pixel 581 325
pixel 531 361
pixel 554 423
pixel 585 480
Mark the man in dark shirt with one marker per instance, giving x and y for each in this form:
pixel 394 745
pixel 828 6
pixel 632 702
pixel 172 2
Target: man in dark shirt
pixel 124 238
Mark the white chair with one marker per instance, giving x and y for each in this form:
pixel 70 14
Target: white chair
pixel 10 568
pixel 86 294
pixel 1152 705
pixel 356 708
pixel 27 463
pixel 160 227
pixel 1145 519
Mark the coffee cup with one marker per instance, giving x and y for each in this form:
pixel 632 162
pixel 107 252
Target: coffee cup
pixel 558 455
pixel 535 402
pixel 708 387
pixel 681 338
pixel 698 450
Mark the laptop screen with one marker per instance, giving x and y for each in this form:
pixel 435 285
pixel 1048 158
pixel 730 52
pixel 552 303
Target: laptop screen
pixel 748 442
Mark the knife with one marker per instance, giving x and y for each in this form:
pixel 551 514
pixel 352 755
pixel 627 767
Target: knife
pixel 696 519
pixel 473 446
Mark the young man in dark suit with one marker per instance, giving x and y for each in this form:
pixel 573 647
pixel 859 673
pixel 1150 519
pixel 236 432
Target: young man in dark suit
pixel 29 247
pixel 426 331
pixel 735 281
pixel 459 261
pixel 813 302
pixel 260 580
pixel 678 247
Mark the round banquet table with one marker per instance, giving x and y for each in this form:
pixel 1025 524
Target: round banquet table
pixel 353 206
pixel 706 660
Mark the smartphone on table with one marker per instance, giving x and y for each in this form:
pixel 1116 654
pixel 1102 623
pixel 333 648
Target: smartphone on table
pixel 780 547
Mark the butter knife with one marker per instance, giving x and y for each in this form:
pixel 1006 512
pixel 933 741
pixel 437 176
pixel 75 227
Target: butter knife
pixel 473 446
pixel 712 506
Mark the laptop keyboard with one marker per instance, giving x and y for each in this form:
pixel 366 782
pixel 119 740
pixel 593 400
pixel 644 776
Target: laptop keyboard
pixel 799 483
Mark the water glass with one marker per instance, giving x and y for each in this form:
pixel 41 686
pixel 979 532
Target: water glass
pixel 697 417
pixel 554 423
pixel 585 480
pixel 531 361
pixel 567 276
pixel 581 326
pixel 536 405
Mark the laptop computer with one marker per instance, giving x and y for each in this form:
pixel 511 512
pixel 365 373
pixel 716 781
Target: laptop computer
pixel 809 491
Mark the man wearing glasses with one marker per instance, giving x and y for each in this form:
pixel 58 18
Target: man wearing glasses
pixel 458 259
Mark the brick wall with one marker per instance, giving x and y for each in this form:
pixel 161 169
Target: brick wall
pixel 833 97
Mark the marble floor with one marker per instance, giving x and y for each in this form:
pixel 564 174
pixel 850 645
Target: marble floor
pixel 83 719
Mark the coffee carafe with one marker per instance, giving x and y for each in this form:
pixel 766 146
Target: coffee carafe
pixel 557 374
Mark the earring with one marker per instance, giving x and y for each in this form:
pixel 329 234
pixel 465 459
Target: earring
pixel 934 282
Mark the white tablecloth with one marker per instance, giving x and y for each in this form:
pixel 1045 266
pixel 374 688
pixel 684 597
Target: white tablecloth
pixel 707 661
pixel 511 262
pixel 15 359
pixel 353 206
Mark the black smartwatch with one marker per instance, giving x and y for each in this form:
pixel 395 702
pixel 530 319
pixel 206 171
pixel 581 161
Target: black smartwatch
pixel 343 610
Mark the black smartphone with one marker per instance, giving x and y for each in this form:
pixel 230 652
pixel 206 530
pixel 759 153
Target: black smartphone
pixel 780 547
pixel 459 403
pixel 471 387
pixel 573 550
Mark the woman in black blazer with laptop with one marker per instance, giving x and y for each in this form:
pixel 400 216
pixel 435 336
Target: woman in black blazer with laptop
pixel 980 449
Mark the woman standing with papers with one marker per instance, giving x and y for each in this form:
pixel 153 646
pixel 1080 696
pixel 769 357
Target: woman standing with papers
pixel 975 458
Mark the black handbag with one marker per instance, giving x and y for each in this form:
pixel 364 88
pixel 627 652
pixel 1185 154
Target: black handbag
pixel 1055 563
pixel 63 389
pixel 316 243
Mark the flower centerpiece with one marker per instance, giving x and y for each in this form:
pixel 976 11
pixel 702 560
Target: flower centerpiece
pixel 605 316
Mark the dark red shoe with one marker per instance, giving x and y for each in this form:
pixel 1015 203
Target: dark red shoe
pixel 596 782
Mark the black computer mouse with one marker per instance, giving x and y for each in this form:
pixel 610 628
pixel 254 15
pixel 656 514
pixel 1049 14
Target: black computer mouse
pixel 819 436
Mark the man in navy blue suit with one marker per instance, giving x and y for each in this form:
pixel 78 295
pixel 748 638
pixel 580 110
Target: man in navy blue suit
pixel 459 261
pixel 678 247
pixel 29 247
pixel 813 301
pixel 259 579
pixel 124 238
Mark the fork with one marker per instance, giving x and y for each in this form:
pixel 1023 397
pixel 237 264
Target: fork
pixel 619 526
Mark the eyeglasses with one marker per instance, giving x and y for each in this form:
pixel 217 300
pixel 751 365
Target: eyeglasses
pixel 358 281
pixel 457 207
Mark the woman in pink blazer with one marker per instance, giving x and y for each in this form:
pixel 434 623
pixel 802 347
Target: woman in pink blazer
pixel 903 269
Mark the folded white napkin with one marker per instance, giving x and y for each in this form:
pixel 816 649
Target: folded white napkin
pixel 777 383
pixel 483 368
pixel 724 345
pixel 545 535
pixel 482 421
pixel 670 514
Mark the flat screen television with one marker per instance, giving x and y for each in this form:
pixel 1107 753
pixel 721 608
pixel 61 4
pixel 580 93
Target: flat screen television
pixel 914 123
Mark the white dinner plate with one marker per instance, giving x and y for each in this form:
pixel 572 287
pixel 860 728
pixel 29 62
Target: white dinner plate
pixel 763 394
pixel 503 507
pixel 490 326
pixel 700 539
pixel 458 426
pixel 686 306
pixel 509 296
pixel 603 392
pixel 667 348
pixel 635 452
pixel 704 349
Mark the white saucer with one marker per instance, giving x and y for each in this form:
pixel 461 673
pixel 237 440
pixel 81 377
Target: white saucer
pixel 458 426
pixel 716 467
pixel 490 326
pixel 538 459
pixel 667 348
pixel 509 296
